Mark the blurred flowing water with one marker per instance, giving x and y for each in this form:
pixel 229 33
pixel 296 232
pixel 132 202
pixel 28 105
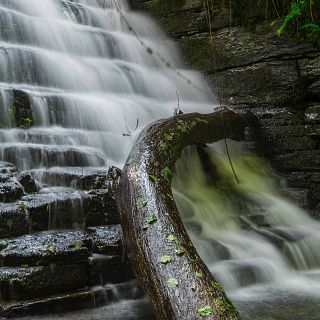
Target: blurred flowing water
pixel 91 83
pixel 92 86
pixel 263 248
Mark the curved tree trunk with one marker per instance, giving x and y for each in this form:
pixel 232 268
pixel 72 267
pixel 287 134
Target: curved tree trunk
pixel 177 281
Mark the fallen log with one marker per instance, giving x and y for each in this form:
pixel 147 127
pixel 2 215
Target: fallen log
pixel 161 253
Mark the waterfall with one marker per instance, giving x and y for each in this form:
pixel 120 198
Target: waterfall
pixel 92 85
pixel 263 248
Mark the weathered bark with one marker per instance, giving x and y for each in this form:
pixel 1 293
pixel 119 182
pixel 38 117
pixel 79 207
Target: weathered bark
pixel 181 284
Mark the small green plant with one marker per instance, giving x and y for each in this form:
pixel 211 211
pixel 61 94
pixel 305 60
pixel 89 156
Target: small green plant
pixel 151 218
pixel 25 123
pixel 50 248
pixel 295 12
pixel 171 237
pixel 165 259
pixel 22 205
pixel 166 173
pixel 172 283
pixel 77 244
pixel 142 204
pixel 305 16
pixel 153 178
pixel 205 311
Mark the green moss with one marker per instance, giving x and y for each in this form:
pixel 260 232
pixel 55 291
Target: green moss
pixel 224 307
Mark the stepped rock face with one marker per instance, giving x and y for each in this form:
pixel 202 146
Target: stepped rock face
pixel 60 248
pixel 276 79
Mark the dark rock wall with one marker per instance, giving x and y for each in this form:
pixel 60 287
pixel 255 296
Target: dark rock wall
pixel 276 79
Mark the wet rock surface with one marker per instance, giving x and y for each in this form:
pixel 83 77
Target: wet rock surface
pixel 59 241
pixel 13 183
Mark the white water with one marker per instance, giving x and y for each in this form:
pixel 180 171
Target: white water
pixel 259 245
pixel 90 81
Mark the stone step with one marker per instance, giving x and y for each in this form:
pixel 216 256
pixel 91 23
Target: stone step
pixel 52 271
pixel 32 282
pixel 77 300
pixel 13 183
pixel 83 178
pixel 58 247
pixel 28 156
pixel 57 208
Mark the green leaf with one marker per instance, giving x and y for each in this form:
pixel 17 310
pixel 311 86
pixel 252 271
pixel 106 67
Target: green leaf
pixel 151 218
pixel 165 259
pixel 77 244
pixel 312 27
pixel 199 274
pixel 142 204
pixel 294 13
pixel 168 136
pixel 171 237
pixel 153 178
pixel 166 173
pixel 50 248
pixel 205 311
pixel 22 205
pixel 25 123
pixel 24 266
pixel 172 283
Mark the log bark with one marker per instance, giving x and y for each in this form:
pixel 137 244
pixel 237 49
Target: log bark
pixel 161 253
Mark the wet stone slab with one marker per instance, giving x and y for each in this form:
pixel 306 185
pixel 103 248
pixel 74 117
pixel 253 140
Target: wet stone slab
pixel 111 297
pixel 44 248
pixel 13 220
pixel 57 247
pixel 27 283
pixel 106 239
pixel 60 208
pixel 13 183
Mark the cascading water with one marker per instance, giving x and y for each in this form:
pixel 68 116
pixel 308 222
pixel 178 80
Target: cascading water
pixel 92 85
pixel 89 79
pixel 261 247
pixel 76 86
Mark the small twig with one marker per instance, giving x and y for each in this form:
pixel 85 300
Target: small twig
pixel 137 124
pixel 129 132
pixel 177 110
